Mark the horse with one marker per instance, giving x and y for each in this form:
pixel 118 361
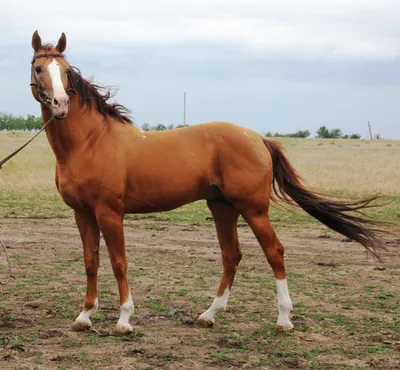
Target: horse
pixel 106 168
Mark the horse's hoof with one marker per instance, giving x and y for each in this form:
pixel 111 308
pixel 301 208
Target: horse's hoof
pixel 121 330
pixel 204 323
pixel 81 325
pixel 284 327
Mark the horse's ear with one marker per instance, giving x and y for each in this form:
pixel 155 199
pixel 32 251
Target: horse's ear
pixel 36 41
pixel 62 43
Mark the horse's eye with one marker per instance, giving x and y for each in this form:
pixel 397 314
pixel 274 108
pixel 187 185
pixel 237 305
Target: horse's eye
pixel 38 69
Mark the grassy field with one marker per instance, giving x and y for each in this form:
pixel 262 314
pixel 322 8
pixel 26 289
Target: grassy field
pixel 346 306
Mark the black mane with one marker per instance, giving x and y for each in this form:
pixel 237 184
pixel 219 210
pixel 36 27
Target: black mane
pixel 90 93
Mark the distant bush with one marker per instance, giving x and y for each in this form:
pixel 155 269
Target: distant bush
pixel 324 133
pixel 300 134
pixel 352 136
pixel 146 127
pixel 159 127
pixel 336 133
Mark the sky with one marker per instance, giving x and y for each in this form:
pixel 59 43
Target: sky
pixel 279 65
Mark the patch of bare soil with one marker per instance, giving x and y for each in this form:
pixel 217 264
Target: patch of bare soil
pixel 174 272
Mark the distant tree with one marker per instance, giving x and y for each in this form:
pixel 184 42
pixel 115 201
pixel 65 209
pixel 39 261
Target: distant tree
pixel 170 127
pixel 378 136
pixel 18 123
pixel 324 133
pixel 336 133
pixel 180 126
pixel 11 122
pixel 146 127
pixel 5 121
pixel 33 123
pixel 160 127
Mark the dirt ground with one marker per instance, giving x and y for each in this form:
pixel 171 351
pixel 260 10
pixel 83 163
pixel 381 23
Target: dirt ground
pixel 346 305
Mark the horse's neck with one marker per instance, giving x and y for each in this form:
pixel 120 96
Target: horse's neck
pixel 79 128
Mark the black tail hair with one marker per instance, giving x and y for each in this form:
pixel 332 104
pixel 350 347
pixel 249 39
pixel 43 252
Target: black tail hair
pixel 334 214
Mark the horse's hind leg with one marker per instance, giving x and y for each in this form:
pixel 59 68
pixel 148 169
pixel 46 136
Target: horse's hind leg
pixel 90 234
pixel 273 249
pixel 225 218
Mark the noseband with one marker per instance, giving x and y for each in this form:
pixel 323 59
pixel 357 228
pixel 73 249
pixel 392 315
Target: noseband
pixel 44 98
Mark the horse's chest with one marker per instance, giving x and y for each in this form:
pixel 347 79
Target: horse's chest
pixel 76 192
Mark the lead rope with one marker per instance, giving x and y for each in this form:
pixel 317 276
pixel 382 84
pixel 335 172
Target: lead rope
pixel 6 159
pixel 9 265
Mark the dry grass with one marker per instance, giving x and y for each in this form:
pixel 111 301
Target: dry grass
pixel 31 169
pixel 346 167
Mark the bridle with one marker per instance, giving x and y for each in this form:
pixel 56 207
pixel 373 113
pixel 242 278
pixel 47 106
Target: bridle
pixel 43 97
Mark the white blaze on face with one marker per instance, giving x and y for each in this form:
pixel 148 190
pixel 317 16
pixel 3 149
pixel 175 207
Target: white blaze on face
pixel 55 76
pixel 284 304
pixel 60 98
pixel 219 305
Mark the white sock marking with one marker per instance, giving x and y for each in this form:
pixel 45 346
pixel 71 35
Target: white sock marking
pixel 84 316
pixel 219 305
pixel 284 303
pixel 127 310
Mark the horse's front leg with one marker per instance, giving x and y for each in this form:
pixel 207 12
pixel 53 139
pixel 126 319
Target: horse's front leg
pixel 111 226
pixel 90 234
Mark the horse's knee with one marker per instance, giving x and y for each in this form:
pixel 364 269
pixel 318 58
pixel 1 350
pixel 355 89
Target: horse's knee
pixel 119 268
pixel 91 267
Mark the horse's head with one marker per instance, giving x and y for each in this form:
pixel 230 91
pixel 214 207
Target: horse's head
pixel 49 75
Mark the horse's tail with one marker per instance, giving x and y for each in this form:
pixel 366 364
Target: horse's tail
pixel 288 187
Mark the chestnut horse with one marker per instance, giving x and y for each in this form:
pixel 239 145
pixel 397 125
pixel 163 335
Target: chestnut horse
pixel 105 168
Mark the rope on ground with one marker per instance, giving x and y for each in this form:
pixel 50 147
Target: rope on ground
pixel 9 265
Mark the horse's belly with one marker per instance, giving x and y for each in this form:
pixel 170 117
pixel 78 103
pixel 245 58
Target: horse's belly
pixel 147 202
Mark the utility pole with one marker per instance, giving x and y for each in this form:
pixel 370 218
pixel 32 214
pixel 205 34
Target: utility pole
pixel 184 108
pixel 370 131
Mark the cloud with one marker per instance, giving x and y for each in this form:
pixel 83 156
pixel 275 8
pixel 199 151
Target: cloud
pixel 276 65
pixel 329 29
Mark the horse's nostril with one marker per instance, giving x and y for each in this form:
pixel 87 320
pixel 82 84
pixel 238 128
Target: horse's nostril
pixel 55 101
